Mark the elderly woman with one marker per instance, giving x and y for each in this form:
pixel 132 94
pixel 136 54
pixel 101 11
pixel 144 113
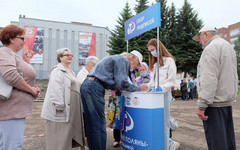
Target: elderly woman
pixel 90 63
pixel 62 107
pixel 21 76
pixel 144 74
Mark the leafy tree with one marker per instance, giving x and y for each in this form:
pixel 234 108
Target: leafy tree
pixel 117 43
pixel 237 48
pixel 188 51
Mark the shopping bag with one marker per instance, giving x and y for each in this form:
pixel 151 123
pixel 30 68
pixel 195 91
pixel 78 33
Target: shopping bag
pixel 111 112
pixel 119 117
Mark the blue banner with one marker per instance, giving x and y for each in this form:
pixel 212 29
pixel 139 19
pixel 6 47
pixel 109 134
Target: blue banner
pixel 144 129
pixel 143 22
pixel 144 121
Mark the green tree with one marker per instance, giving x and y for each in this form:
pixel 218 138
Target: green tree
pixel 187 51
pixel 117 43
pixel 171 35
pixel 237 48
pixel 141 5
pixel 164 19
pixel 140 42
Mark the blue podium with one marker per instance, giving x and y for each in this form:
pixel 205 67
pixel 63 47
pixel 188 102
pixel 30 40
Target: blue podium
pixel 144 121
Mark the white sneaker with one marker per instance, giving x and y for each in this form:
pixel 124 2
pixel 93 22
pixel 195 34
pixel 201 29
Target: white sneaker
pixel 173 123
pixel 174 146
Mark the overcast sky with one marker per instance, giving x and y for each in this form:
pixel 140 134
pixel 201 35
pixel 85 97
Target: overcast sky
pixel 104 13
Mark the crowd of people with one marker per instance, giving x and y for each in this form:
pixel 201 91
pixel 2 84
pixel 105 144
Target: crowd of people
pixel 74 105
pixel 188 89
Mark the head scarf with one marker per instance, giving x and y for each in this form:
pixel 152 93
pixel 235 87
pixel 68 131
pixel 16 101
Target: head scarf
pixel 140 80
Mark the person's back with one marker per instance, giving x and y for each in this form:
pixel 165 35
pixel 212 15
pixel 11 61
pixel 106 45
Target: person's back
pixel 190 84
pixel 184 86
pixel 108 70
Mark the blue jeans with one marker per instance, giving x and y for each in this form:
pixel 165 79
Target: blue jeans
pixel 190 94
pixel 194 92
pixel 92 94
pixel 12 134
pixel 184 95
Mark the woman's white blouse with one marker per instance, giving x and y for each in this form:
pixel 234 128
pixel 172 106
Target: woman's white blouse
pixel 167 74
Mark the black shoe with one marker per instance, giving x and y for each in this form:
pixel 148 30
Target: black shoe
pixel 116 144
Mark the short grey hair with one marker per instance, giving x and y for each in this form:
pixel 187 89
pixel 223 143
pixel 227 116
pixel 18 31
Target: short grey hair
pixel 91 60
pixel 128 55
pixel 60 53
pixel 211 32
pixel 124 54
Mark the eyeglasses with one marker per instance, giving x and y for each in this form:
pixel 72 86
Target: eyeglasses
pixel 68 55
pixel 22 38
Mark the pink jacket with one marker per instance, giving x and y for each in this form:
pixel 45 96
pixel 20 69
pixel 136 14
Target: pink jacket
pixel 14 69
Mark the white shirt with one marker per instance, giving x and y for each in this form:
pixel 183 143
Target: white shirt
pixel 82 74
pixel 167 74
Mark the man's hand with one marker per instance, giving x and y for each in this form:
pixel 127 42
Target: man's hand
pixel 143 87
pixel 201 115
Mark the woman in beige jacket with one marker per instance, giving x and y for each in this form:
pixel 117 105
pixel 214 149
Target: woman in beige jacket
pixel 62 107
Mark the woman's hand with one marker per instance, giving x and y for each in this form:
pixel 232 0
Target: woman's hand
pixel 35 92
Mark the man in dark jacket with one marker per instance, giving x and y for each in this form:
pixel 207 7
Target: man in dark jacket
pixel 183 86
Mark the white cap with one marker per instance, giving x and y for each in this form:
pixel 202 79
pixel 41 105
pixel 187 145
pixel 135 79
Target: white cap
pixel 138 55
pixel 204 29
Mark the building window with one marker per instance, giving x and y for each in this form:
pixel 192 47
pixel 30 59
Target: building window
pixel 225 35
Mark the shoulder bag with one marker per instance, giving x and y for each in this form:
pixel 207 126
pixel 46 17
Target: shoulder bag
pixel 5 88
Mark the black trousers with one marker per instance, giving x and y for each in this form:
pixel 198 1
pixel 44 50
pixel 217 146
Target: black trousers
pixel 117 135
pixel 219 129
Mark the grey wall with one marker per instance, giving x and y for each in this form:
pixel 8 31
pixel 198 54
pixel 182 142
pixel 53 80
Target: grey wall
pixel 60 34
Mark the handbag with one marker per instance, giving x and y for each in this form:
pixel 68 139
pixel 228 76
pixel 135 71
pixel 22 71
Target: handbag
pixel 111 113
pixel 5 89
pixel 115 113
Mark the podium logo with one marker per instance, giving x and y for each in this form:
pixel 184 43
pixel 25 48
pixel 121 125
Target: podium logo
pixel 135 101
pixel 129 122
pixel 131 28
pixel 128 101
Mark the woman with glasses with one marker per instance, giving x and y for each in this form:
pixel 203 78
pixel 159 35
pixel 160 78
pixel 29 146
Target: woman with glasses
pixel 62 107
pixel 16 72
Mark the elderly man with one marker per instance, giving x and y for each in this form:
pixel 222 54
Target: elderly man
pixel 217 88
pixel 90 63
pixel 109 73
